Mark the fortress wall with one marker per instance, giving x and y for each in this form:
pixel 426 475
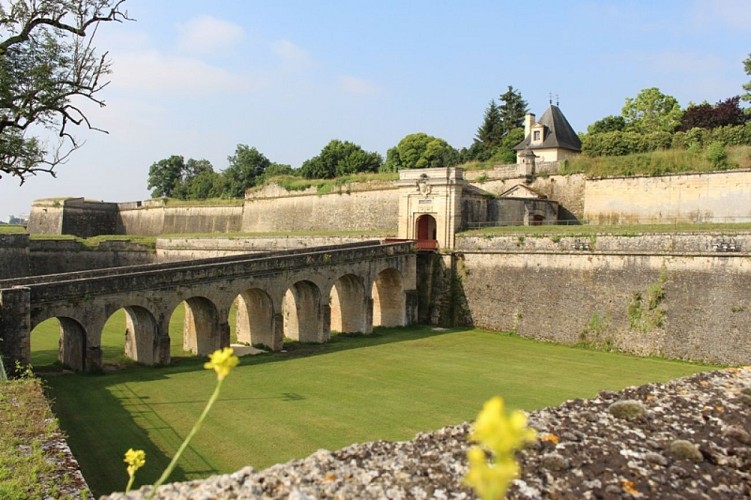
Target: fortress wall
pixel 14 255
pixel 201 219
pixel 89 218
pixel 644 243
pixel 46 217
pixel 63 256
pixel 179 249
pixel 375 210
pixel 155 218
pixel 715 197
pixel 576 297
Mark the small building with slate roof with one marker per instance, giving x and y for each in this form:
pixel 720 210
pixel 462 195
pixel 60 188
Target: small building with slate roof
pixel 550 139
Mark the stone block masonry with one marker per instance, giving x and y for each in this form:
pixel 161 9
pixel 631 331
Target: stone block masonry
pixel 692 306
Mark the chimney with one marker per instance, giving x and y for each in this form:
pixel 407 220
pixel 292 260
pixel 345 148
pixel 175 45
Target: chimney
pixel 529 120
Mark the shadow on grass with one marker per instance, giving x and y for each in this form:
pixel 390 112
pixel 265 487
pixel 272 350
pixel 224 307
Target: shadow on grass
pixel 114 396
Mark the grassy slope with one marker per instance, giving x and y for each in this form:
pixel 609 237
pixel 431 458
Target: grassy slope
pixel 279 406
pixel 26 426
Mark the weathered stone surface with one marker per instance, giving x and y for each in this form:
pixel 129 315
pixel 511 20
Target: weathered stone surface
pixel 609 457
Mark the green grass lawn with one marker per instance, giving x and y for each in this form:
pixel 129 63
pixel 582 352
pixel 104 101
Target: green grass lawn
pixel 276 407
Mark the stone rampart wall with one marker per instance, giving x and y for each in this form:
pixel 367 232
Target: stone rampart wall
pixel 684 306
pixel 64 256
pixel 644 243
pixel 715 197
pixel 155 219
pixel 354 211
pixel 14 255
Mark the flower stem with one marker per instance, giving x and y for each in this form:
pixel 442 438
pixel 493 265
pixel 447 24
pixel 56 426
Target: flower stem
pixel 193 431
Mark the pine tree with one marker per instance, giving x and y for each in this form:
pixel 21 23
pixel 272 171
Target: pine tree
pixel 490 133
pixel 512 110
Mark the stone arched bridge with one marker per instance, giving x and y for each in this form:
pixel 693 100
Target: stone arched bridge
pixel 299 294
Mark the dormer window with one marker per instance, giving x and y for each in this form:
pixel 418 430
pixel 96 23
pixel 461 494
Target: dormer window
pixel 536 136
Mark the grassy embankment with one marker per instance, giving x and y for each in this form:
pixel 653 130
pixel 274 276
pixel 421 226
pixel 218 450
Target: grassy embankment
pixel 26 426
pixel 275 407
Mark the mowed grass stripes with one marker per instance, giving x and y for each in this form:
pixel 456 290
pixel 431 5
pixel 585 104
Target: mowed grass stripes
pixel 276 407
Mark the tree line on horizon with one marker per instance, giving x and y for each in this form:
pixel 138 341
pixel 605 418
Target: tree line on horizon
pixel 652 120
pixel 49 64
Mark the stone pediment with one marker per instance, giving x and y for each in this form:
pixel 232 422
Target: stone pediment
pixel 522 191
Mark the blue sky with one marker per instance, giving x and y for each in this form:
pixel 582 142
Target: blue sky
pixel 197 78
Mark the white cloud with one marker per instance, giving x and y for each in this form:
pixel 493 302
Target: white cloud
pixel 151 71
pixel 353 85
pixel 206 34
pixel 291 55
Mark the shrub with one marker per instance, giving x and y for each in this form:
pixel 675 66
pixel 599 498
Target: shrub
pixel 717 156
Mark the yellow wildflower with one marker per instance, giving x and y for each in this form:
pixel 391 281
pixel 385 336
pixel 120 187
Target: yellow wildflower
pixel 222 361
pixel 502 435
pixel 135 460
pixel 499 432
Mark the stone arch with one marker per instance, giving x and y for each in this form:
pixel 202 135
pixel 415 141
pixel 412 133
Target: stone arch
pixel 348 305
pixel 140 334
pixel 389 307
pixel 201 327
pixel 302 312
pixel 255 318
pixel 71 344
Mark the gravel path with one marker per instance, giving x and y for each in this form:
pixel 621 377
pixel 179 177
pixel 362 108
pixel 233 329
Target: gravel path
pixel 689 438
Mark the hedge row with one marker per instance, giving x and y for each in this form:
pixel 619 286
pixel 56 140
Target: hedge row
pixel 620 143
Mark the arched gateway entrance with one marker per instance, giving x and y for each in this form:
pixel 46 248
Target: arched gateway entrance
pixel 430 206
pixel 425 230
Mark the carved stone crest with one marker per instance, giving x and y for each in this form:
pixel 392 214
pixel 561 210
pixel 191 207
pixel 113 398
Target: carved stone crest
pixel 422 185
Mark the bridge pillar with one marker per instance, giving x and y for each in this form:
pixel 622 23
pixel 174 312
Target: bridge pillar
pixel 162 345
pixel 325 322
pixel 223 335
pixel 93 360
pixel 277 342
pixel 15 326
pixel 367 321
pixel 411 300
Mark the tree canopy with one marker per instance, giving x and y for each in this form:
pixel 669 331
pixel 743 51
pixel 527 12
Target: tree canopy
pixel 747 86
pixel 608 124
pixel 339 158
pixel 173 177
pixel 48 67
pixel 704 115
pixel 651 111
pixel 420 150
pixel 245 170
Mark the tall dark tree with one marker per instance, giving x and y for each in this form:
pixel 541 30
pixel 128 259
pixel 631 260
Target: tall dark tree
pixel 490 133
pixel 339 158
pixel 512 110
pixel 246 167
pixel 49 66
